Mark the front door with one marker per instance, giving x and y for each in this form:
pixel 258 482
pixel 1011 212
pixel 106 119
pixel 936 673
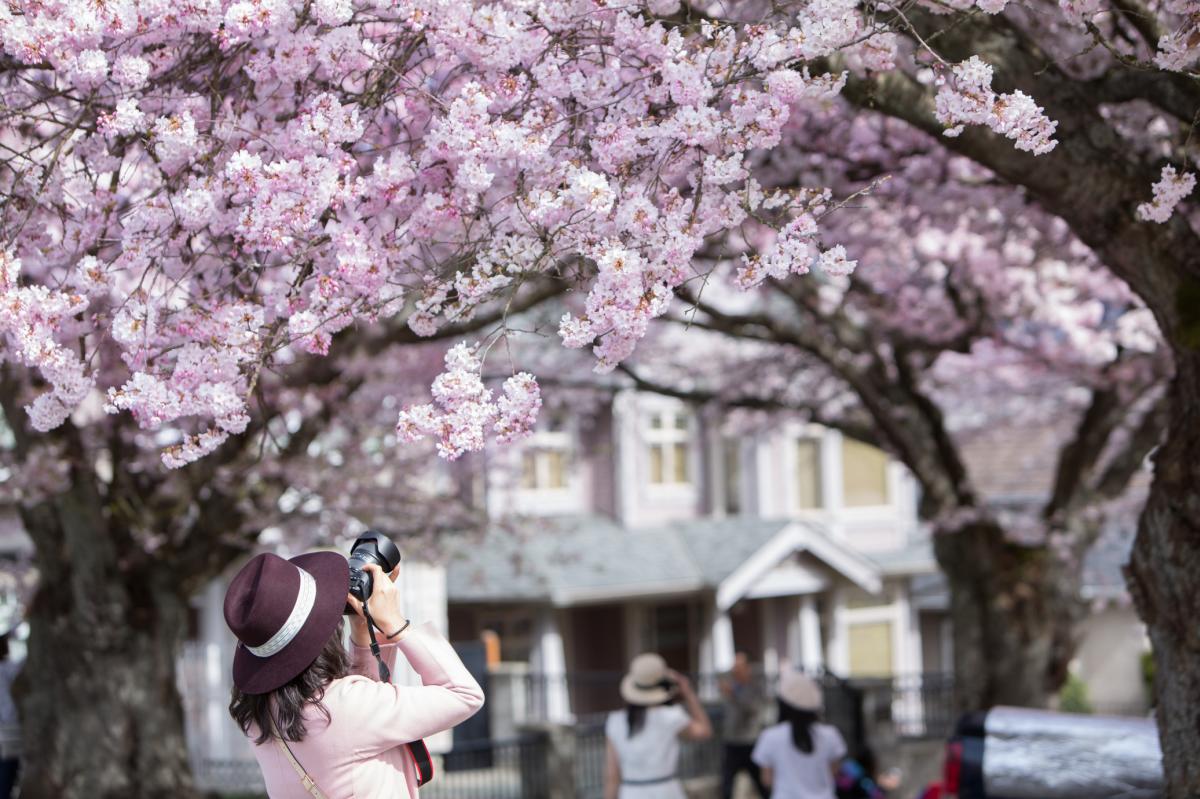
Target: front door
pixel 672 635
pixel 598 657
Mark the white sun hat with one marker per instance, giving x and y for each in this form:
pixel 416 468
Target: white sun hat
pixel 801 691
pixel 647 682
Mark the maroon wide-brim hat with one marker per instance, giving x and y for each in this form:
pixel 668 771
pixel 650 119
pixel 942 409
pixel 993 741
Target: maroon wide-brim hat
pixel 283 612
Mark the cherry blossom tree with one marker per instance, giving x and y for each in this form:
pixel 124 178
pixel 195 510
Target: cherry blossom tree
pixel 970 310
pixel 215 212
pixel 1119 82
pixel 221 220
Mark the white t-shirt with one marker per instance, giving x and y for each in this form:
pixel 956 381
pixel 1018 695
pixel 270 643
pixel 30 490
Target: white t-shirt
pixel 800 775
pixel 651 754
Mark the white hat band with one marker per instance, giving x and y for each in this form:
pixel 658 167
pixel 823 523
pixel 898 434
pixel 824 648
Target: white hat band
pixel 305 599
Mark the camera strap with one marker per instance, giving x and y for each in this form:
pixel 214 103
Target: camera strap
pixel 384 673
pixel 417 748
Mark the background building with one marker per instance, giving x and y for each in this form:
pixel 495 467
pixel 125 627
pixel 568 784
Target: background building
pixel 644 523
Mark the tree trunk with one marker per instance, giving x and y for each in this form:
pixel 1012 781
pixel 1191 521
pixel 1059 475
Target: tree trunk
pixel 1013 612
pixel 100 713
pixel 1164 578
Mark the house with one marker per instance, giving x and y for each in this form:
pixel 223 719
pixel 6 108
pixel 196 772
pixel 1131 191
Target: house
pixel 643 523
pixel 648 524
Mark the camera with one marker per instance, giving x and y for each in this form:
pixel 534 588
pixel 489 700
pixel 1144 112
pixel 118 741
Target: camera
pixel 370 547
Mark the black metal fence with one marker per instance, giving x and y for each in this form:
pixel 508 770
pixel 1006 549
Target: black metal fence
pixel 916 705
pixel 520 765
pixel 510 769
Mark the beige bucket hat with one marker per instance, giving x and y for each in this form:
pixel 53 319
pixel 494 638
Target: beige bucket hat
pixel 647 682
pixel 801 691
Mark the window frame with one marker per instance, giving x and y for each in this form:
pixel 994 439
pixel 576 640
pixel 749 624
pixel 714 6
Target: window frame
pixel 818 441
pixel 668 438
pixel 538 444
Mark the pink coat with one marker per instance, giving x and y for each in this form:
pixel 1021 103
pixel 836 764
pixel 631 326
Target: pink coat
pixel 359 753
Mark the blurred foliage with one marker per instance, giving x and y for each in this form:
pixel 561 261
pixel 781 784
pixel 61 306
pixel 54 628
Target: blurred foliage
pixel 1148 674
pixel 1073 698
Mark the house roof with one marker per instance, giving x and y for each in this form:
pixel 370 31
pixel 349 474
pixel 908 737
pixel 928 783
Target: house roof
pixel 915 557
pixel 575 560
pixel 1010 464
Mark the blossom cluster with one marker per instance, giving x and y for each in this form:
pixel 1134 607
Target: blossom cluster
pixel 1171 188
pixel 225 187
pixel 464 410
pixel 30 318
pixel 1179 47
pixel 967 98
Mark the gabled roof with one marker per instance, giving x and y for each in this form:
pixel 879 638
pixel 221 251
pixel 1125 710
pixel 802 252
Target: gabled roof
pixel 575 560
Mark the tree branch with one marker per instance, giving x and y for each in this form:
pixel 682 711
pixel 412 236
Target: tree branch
pixel 1092 179
pixel 861 430
pixel 1115 478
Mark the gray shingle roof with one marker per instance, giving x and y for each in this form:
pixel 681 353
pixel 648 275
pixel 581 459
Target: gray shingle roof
pixel 564 560
pixel 718 546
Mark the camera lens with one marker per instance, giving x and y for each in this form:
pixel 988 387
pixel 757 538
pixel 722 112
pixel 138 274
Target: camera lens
pixel 370 547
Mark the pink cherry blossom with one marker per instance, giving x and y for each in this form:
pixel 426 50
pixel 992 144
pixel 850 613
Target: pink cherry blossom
pixel 967 98
pixel 1168 192
pixel 464 409
pixel 207 194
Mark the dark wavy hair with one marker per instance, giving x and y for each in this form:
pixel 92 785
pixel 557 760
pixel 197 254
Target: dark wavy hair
pixel 285 705
pixel 801 722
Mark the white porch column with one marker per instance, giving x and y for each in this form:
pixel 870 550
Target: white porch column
pixel 722 638
pixel 839 642
pixel 551 658
pixel 811 656
pixel 770 653
pixel 716 649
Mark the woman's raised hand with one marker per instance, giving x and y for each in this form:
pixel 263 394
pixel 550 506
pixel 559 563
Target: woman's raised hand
pixel 384 603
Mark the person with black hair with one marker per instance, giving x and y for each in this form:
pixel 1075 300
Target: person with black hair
pixel 799 756
pixel 642 741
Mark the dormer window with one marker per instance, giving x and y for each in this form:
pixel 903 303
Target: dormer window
pixel 545 458
pixel 668 441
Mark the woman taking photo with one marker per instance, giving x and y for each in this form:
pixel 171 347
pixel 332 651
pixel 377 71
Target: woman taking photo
pixel 799 756
pixel 321 722
pixel 642 755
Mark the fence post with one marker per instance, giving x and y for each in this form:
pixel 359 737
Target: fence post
pixel 560 758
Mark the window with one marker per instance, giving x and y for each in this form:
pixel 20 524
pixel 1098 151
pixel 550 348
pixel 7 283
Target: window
pixel 870 649
pixel 808 473
pixel 668 438
pixel 864 475
pixel 733 476
pixel 545 458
